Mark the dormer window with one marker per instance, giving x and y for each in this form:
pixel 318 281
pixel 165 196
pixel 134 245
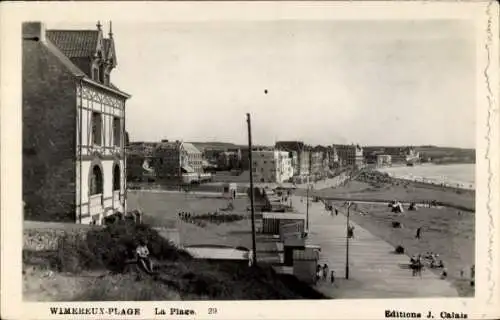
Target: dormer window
pixel 106 78
pixel 95 73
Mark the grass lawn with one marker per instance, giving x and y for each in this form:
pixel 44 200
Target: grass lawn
pixel 162 209
pixel 444 231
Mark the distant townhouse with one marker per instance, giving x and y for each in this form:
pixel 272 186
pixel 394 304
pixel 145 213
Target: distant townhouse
pixel 350 155
pixel 333 157
pixel 302 165
pixel 245 160
pixel 211 155
pixel 74 165
pixel 384 160
pixel 399 155
pixel 235 158
pixel 230 159
pixel 140 160
pixel 271 166
pixel 179 162
pixel 316 161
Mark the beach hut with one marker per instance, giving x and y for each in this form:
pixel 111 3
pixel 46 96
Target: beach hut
pixel 229 190
pixel 272 221
pixel 219 253
pixel 291 233
pixel 304 264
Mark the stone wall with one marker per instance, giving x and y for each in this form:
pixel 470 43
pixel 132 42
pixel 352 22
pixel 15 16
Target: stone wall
pixel 49 135
pixel 47 239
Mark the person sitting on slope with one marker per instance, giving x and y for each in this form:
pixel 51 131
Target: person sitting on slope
pixel 143 259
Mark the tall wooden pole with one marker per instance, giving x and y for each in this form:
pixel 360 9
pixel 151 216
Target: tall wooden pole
pixel 254 253
pixel 347 244
pixel 307 206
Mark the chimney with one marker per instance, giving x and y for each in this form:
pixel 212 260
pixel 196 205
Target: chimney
pixel 34 31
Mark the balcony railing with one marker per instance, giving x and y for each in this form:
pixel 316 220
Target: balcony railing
pixel 96 205
pixel 116 199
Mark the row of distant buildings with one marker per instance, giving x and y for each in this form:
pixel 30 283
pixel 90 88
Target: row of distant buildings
pixel 295 161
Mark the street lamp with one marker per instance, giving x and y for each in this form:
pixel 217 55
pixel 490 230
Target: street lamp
pixel 347 243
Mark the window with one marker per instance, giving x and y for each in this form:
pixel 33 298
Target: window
pixel 95 73
pixel 102 74
pixel 116 178
pixel 106 78
pixel 96 181
pixel 117 132
pixel 96 128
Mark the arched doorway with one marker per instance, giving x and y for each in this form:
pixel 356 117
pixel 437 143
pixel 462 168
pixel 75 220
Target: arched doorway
pixel 96 181
pixel 116 178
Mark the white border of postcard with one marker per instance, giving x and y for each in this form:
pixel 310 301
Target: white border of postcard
pixel 485 15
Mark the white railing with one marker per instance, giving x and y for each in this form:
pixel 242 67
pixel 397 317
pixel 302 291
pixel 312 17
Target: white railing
pixel 96 205
pixel 116 199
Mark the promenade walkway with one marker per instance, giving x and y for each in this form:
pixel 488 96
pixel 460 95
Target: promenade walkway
pixel 375 271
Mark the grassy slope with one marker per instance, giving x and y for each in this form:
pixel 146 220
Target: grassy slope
pixel 93 270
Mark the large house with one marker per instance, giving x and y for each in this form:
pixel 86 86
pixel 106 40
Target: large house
pixel 178 162
pixel 350 155
pixel 140 159
pixel 302 165
pixel 73 125
pixel 271 166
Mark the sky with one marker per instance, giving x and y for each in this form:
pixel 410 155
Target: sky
pixel 366 82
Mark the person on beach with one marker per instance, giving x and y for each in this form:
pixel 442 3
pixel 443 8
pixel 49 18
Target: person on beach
pixel 325 271
pixel 472 275
pixel 444 274
pixel 332 277
pixel 350 232
pixel 336 211
pixel 417 236
pixel 318 272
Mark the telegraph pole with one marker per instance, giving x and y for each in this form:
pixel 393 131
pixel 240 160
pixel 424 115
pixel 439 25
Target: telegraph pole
pixel 347 244
pixel 254 247
pixel 307 205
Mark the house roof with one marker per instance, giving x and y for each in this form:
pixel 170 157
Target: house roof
pixel 70 66
pixel 75 43
pixel 190 148
pixel 168 145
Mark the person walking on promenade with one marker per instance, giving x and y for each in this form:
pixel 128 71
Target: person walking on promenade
pixel 472 275
pixel 325 271
pixel 336 211
pixel 350 232
pixel 419 230
pixel 332 277
pixel 318 272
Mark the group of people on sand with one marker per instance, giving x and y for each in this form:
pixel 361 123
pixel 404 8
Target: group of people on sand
pixel 190 218
pixel 322 273
pixel 432 259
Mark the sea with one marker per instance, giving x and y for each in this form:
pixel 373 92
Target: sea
pixel 453 175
